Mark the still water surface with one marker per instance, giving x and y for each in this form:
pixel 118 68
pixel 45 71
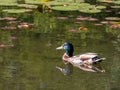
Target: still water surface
pixel 31 63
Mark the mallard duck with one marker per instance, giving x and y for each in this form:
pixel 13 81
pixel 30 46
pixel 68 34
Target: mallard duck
pixel 83 61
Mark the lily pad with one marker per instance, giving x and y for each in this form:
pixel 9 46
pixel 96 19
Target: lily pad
pixel 73 1
pixel 116 7
pixel 56 3
pixel 9 27
pixel 17 10
pixel 100 7
pixel 84 5
pixel 113 18
pixel 34 2
pixel 105 22
pixel 27 6
pixel 117 2
pixel 110 1
pixel 91 19
pixel 90 10
pixel 62 18
pixel 65 8
pixel 98 24
pixel 8 3
pixel 80 4
pixel 107 1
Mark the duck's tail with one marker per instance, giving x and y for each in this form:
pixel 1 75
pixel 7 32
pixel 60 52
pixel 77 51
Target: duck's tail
pixel 97 59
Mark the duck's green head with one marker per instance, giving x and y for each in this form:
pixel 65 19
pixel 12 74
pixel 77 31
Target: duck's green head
pixel 68 47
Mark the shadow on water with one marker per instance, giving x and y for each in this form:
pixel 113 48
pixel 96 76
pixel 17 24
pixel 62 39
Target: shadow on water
pixel 115 89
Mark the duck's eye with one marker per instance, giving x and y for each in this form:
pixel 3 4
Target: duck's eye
pixel 65 47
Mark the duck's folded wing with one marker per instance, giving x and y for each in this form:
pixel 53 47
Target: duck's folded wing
pixel 86 55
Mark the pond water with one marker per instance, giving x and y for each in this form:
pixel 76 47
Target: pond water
pixel 28 56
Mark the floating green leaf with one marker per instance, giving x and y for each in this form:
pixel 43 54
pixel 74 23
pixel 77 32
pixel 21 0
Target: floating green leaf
pixel 107 1
pixel 53 3
pixel 75 1
pixel 90 10
pixel 116 7
pixel 100 7
pixel 110 1
pixel 65 8
pixel 27 6
pixel 33 1
pixel 113 18
pixel 8 3
pixel 17 10
pixel 84 5
pixel 117 2
pixel 79 4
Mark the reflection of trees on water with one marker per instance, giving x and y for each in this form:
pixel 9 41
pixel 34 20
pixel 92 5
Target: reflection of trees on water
pixel 115 66
pixel 117 43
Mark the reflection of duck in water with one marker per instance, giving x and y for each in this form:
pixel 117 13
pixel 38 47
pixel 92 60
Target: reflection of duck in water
pixel 83 61
pixel 67 70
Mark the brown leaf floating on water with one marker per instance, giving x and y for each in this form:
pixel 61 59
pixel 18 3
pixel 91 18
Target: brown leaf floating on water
pixel 9 27
pixel 83 28
pixel 6 45
pixel 25 25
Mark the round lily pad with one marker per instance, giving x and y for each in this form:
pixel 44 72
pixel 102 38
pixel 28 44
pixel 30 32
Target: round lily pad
pixel 27 6
pixel 117 2
pixel 17 10
pixel 8 4
pixel 107 1
pixel 105 22
pixel 79 4
pixel 116 7
pixel 90 10
pixel 113 18
pixel 100 7
pixel 53 3
pixel 65 8
pixel 34 1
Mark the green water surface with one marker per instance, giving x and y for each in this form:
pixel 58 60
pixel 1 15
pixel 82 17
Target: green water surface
pixel 30 64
